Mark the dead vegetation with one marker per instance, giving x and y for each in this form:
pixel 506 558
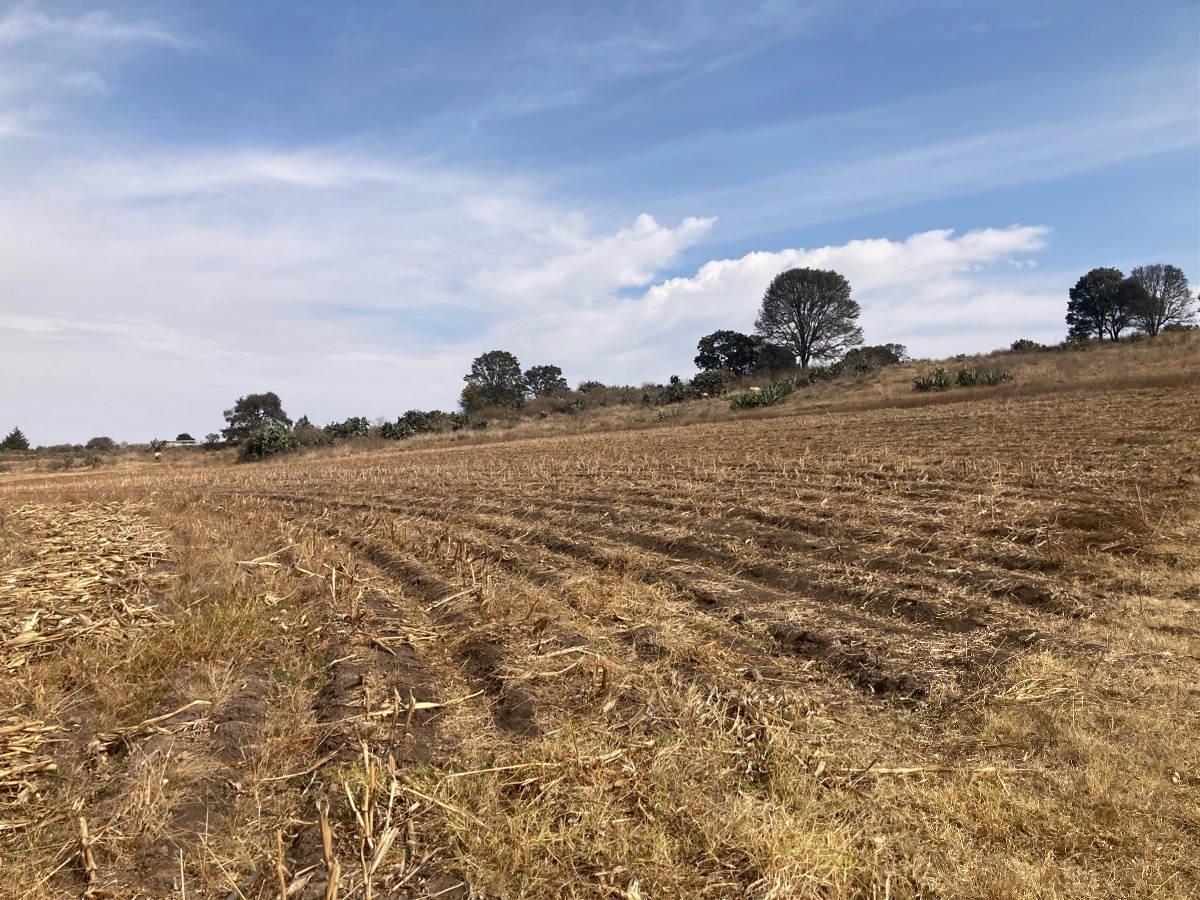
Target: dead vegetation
pixel 947 650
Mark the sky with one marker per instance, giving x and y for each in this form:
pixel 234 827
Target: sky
pixel 347 203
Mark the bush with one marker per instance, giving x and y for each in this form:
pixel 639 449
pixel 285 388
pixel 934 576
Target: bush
pixel 937 380
pixel 586 387
pixel 101 445
pixel 355 426
pixel 992 377
pixel 269 442
pixel 1024 345
pixel 416 422
pixel 825 373
pixel 675 391
pixel 713 382
pixel 767 396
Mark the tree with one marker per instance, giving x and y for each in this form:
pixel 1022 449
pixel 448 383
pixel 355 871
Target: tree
pixel 730 350
pixel 1167 300
pixel 876 356
pixel 811 313
pixel 497 381
pixel 101 445
pixel 1095 306
pixel 542 381
pixel 185 437
pixel 15 441
pixel 773 358
pixel 253 413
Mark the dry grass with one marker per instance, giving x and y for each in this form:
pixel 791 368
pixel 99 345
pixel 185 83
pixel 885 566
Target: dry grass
pixel 939 650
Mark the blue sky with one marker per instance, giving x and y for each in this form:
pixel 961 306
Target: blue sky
pixel 346 203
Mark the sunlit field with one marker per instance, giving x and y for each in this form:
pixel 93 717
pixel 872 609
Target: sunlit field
pixel 947 649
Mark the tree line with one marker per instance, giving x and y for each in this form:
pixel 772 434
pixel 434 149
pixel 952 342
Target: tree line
pixel 1105 303
pixel 806 317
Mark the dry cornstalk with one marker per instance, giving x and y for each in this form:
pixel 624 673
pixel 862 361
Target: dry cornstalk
pixel 85 849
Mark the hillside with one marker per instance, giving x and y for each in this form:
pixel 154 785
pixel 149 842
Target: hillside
pixel 867 642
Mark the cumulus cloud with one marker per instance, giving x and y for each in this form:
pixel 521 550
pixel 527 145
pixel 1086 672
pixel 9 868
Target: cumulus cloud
pixel 351 285
pixel 935 292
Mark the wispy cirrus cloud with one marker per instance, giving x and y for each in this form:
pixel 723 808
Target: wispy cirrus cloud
pixel 26 24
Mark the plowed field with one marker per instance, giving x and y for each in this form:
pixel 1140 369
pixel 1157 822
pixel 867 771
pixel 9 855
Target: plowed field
pixel 940 651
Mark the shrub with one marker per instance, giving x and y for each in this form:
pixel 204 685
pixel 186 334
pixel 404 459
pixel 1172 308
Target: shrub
pixel 767 396
pixel 992 377
pixel 589 386
pixel 101 445
pixel 825 373
pixel 937 380
pixel 676 391
pixel 269 442
pixel 1024 345
pixel 712 383
pixel 355 426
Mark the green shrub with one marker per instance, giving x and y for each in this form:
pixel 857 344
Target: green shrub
pixel 825 373
pixel 937 380
pixel 1024 345
pixel 767 396
pixel 712 383
pixel 992 377
pixel 355 426
pixel 269 442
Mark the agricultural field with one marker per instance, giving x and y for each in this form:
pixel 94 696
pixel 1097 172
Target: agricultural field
pixel 940 650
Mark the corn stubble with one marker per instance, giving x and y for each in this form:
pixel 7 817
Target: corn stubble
pixel 939 651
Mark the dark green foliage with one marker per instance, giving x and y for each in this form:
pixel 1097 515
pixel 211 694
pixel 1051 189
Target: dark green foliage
pixel 495 379
pixel 730 350
pixel 185 437
pixel 1165 299
pixel 416 422
pixel 586 387
pixel 767 396
pixel 212 439
pixel 1096 306
pixel 542 381
pixel 811 313
pixel 101 445
pixel 675 391
pixel 938 380
pixel 986 377
pixel 158 445
pixel 773 358
pixel 355 426
pixel 864 359
pixel 1024 345
pixel 253 413
pixel 269 441
pixel 15 441
pixel 712 383
pixel 825 373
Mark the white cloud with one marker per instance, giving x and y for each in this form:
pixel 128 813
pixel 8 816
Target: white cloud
pixel 935 292
pixel 592 269
pixel 25 24
pixel 131 292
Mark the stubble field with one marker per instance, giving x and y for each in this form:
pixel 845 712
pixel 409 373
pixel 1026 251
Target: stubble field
pixel 944 651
